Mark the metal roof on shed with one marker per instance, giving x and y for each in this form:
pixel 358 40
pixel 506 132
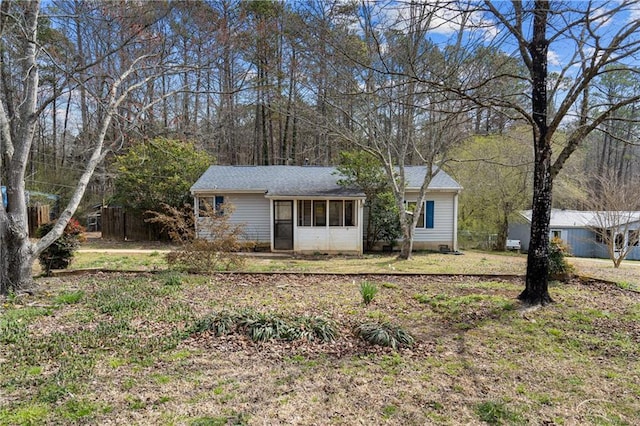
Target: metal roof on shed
pixel 299 181
pixel 586 219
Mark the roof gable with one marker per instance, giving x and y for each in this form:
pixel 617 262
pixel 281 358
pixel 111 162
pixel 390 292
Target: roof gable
pixel 414 176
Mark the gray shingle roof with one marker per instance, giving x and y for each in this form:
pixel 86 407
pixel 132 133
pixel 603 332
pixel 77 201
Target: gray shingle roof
pixel 585 219
pixel 298 180
pixel 414 175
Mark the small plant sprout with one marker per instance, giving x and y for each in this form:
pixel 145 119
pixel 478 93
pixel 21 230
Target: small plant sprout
pixel 368 290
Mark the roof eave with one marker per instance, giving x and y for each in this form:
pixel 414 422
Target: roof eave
pixel 450 189
pixel 201 191
pixel 316 196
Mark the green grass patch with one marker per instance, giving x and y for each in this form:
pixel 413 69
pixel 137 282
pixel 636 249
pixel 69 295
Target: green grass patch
pixel 384 334
pixel 119 262
pixel 497 413
pixel 12 330
pixel 75 410
pixel 69 297
pixel 28 414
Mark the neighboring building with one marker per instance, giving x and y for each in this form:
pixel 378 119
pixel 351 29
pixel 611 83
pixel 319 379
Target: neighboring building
pixel 302 209
pixel 579 230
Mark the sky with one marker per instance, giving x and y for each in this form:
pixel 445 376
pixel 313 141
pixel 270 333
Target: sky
pixel 606 19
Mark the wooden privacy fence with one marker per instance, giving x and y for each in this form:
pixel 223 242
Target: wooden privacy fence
pixel 37 215
pixel 122 225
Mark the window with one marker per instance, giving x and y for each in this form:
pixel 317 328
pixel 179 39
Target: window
pixel 314 213
pixel 634 237
pixel 214 202
pixel 600 235
pixel 411 206
pixel 335 213
pixel 349 213
pixel 304 212
pixel 426 219
pixel 341 213
pixel 319 213
pixel 556 234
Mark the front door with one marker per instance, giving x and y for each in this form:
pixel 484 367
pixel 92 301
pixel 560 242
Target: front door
pixel 283 225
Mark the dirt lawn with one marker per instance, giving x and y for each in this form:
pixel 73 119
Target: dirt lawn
pixel 113 349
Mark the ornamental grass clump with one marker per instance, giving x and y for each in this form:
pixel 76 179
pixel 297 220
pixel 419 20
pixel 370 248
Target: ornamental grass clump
pixel 368 291
pixel 317 328
pixel 220 323
pixel 261 327
pixel 384 334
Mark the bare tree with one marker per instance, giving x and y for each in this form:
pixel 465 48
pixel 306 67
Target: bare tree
pixel 592 47
pixel 130 61
pixel 615 203
pixel 394 114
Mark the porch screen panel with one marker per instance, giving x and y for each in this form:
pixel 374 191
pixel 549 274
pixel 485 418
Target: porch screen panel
pixel 304 212
pixel 335 212
pixel 319 213
pixel 349 213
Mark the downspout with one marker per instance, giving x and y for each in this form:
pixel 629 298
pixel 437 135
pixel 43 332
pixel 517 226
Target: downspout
pixel 361 224
pixel 455 221
pixel 294 225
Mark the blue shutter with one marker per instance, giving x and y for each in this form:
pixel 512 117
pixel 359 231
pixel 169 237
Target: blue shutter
pixel 429 209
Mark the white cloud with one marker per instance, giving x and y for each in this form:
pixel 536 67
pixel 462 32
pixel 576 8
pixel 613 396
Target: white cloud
pixel 634 13
pixel 553 58
pixel 442 21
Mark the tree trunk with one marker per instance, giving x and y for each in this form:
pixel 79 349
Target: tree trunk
pixel 536 291
pixel 406 247
pixel 503 231
pixel 18 252
pixel 18 258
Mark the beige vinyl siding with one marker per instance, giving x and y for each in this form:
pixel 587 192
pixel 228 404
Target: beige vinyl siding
pixel 443 231
pixel 250 210
pixel 443 221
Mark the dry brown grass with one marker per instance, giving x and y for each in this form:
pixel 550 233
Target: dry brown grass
pixel 627 273
pixel 471 262
pixel 479 356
